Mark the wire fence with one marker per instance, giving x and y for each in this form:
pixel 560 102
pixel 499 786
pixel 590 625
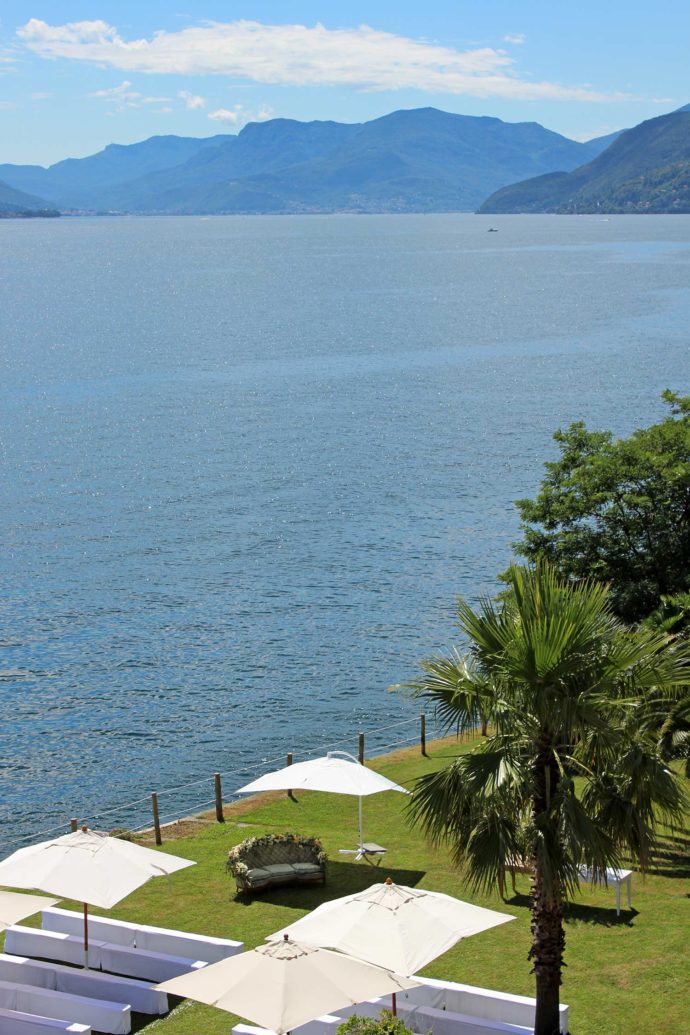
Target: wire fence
pixel 189 798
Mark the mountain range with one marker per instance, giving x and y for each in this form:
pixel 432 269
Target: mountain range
pixel 16 202
pixel 645 170
pixel 420 160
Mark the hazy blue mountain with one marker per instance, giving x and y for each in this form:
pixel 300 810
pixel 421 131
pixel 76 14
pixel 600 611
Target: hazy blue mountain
pixel 409 161
pixel 646 169
pixel 12 200
pixel 261 147
pixel 600 144
pixel 78 182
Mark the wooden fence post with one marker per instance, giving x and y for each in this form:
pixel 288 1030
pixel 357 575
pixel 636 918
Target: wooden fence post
pixel 361 749
pixel 220 818
pixel 422 732
pixel 156 818
pixel 289 762
pixel 73 825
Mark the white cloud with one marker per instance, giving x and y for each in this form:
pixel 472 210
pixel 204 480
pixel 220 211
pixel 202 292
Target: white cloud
pixel 238 115
pixel 40 95
pixel 192 101
pixel 299 55
pixel 516 38
pixel 125 97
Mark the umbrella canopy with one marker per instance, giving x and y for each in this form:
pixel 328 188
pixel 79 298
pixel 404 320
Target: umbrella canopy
pixel 87 866
pixel 392 926
pixel 330 773
pixel 284 984
pixel 14 908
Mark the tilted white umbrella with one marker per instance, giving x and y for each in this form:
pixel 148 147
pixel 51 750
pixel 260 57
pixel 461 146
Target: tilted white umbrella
pixel 336 773
pixel 399 928
pixel 88 866
pixel 14 908
pixel 284 984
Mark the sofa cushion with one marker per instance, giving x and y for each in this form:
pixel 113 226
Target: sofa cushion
pixel 306 867
pixel 280 870
pixel 258 875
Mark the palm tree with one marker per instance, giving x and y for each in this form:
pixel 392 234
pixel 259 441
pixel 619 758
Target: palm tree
pixel 570 774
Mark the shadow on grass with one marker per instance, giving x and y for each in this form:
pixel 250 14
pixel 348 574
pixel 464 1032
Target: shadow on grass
pixel 341 879
pixel 672 857
pixel 142 1021
pixel 576 911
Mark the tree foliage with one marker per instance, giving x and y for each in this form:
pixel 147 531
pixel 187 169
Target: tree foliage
pixel 618 511
pixel 385 1024
pixel 571 773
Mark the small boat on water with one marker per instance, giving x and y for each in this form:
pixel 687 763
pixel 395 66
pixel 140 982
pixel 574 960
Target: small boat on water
pixel 492 230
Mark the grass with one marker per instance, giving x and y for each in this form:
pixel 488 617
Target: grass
pixel 623 974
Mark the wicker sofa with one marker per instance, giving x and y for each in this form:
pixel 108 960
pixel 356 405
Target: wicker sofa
pixel 262 862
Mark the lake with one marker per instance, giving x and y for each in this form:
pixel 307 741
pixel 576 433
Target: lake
pixel 249 462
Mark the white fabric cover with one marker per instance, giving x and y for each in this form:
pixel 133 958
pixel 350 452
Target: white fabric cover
pixel 393 926
pixel 148 966
pixel 50 945
pixel 13 1022
pixel 143 936
pixel 104 1016
pixel 140 995
pixel 479 1002
pixel 14 907
pixel 285 984
pixel 87 866
pixel 327 1024
pixel 332 774
pixel 180 943
pixel 103 929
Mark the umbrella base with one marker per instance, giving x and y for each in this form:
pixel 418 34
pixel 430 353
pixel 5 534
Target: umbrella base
pixel 368 850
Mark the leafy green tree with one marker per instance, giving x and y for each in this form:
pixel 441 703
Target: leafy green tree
pixel 618 510
pixel 570 774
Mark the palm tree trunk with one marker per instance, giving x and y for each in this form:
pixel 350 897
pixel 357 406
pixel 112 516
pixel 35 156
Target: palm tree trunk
pixel 548 936
pixel 548 944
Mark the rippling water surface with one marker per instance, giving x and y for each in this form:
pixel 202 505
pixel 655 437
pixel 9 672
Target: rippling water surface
pixel 248 463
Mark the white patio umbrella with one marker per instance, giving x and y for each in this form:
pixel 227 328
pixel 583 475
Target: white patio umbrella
pixel 88 866
pixel 284 984
pixel 399 928
pixel 14 908
pixel 337 773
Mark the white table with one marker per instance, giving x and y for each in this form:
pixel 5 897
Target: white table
pixel 615 877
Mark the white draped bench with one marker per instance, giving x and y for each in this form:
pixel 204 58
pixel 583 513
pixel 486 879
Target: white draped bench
pixel 142 936
pixel 450 996
pixel 140 995
pixel 113 1018
pixel 118 959
pixel 441 1007
pixel 49 945
pixel 13 1022
pixel 424 1019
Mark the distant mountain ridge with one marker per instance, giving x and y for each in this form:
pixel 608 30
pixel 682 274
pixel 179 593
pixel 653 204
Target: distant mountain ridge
pixel 646 169
pixel 17 202
pixel 418 160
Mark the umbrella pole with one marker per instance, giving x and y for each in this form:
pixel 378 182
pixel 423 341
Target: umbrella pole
pixel 361 831
pixel 86 936
pixel 394 1004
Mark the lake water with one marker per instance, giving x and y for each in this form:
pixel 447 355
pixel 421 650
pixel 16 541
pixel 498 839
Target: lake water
pixel 249 462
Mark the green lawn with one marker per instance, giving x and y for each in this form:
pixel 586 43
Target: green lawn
pixel 627 974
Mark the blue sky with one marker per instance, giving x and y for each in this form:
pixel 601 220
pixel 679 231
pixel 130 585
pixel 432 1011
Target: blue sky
pixel 76 76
